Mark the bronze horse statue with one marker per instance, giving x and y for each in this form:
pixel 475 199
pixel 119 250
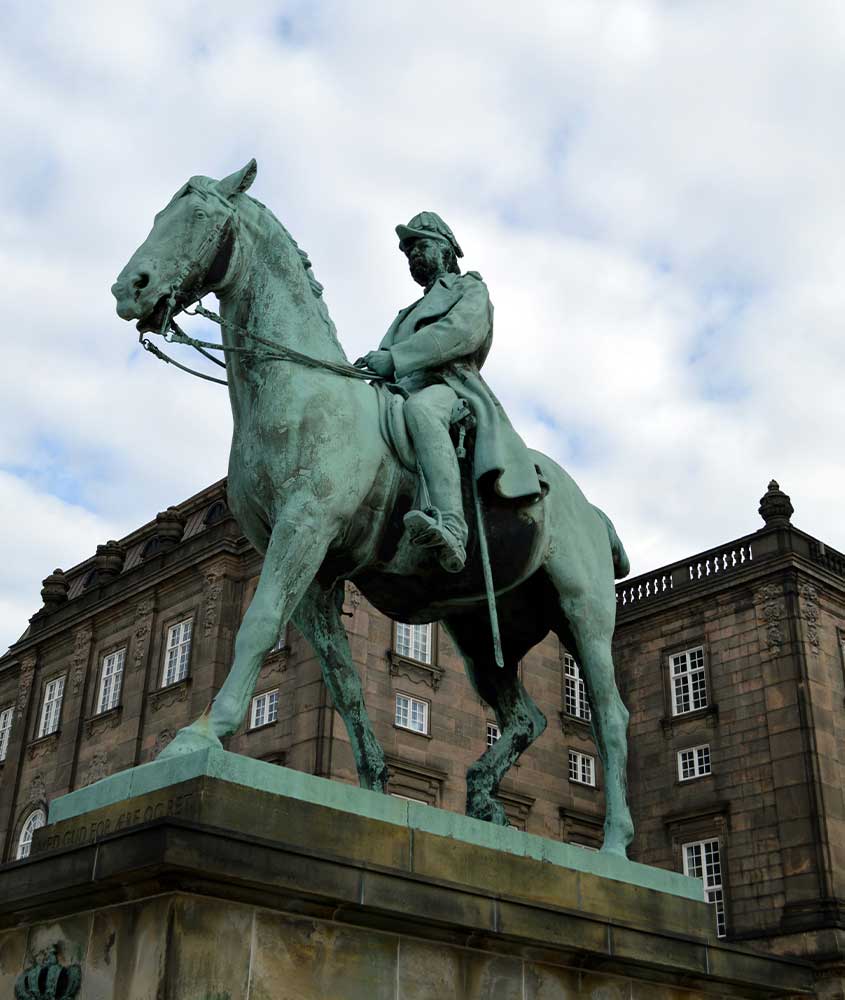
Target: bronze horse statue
pixel 317 488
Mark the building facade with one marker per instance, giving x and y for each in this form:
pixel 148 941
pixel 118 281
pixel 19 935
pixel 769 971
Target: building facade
pixel 731 664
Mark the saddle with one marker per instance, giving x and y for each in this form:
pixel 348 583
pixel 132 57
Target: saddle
pixel 408 576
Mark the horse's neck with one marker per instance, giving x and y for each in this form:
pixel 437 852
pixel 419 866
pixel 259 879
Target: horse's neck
pixel 270 296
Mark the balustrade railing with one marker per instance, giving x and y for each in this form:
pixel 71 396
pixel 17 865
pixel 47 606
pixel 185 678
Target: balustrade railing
pixel 827 557
pixel 686 573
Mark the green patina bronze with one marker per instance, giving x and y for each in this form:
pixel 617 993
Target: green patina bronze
pixel 141 784
pixel 335 479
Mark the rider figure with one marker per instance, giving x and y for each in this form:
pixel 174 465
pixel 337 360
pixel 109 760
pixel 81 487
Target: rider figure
pixel 434 350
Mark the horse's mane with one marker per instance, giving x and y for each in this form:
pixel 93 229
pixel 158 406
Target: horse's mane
pixel 315 286
pixel 209 187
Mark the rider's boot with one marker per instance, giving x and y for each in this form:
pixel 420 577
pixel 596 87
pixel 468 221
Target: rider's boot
pixel 432 529
pixel 441 526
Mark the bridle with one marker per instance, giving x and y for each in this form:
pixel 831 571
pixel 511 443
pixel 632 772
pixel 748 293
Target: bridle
pixel 222 240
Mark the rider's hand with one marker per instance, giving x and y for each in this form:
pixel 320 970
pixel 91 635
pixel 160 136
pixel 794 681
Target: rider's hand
pixel 380 362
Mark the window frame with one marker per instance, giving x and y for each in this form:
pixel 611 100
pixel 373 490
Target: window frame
pixel 253 725
pixel 411 699
pixel 432 643
pixel 581 699
pixel 697 772
pixel 168 629
pixel 581 756
pixel 98 704
pixel 6 731
pixel 40 732
pixel 491 726
pixel 675 711
pixel 26 827
pixel 720 903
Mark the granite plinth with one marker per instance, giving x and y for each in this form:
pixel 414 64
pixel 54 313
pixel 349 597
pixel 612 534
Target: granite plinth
pixel 125 787
pixel 182 880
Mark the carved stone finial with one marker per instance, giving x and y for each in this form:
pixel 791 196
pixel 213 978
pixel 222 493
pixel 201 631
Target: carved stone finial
pixel 109 561
pixel 775 507
pixel 170 525
pixel 54 590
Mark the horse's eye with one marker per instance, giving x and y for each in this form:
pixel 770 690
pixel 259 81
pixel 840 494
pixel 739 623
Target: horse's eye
pixel 199 213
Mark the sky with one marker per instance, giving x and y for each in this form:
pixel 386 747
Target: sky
pixel 653 192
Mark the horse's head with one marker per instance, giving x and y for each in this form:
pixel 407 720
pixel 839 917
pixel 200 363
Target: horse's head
pixel 187 252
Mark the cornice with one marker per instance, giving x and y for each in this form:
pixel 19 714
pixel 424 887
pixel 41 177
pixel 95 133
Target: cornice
pixel 192 556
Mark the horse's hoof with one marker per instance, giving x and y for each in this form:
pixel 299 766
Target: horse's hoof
pixel 190 740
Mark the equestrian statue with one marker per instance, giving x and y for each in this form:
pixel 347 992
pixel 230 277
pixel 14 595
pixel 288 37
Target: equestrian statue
pixel 400 473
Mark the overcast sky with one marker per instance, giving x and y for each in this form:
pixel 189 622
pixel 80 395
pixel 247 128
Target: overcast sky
pixel 652 191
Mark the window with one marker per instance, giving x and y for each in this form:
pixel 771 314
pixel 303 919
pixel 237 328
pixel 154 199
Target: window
pixel 178 652
pixel 265 709
pixel 412 714
pixel 414 641
pixel 34 822
pixel 702 860
pixel 493 733
pixel 6 717
pixel 689 685
pixel 110 678
pixel 574 692
pixel 582 768
pixel 52 707
pixel 694 763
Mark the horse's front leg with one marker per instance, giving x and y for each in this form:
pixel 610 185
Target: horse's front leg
pixel 318 618
pixel 296 550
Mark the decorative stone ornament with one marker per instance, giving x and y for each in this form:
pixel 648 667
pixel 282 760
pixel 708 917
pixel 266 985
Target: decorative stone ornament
pixel 48 979
pixel 775 507
pixel 54 590
pixel 109 561
pixel 170 526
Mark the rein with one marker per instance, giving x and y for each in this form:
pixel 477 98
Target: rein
pixel 172 334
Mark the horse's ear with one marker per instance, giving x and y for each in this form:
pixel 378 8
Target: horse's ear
pixel 241 180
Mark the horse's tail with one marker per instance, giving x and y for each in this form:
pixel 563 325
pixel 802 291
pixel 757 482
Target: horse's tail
pixel 621 564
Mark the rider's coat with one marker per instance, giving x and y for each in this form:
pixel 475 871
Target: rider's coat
pixel 445 337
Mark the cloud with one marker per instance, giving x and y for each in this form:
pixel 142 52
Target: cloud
pixel 652 191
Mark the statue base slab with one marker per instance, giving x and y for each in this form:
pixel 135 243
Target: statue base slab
pixel 217 876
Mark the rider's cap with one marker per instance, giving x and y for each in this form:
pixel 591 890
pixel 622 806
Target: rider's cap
pixel 427 225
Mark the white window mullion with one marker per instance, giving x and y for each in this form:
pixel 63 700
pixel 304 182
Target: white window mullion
pixel 411 713
pixel 575 691
pixel 35 821
pixel 6 717
pixel 110 680
pixel 52 708
pixel 265 709
pixel 702 860
pixel 689 681
pixel 582 768
pixel 414 641
pixel 694 762
pixel 178 652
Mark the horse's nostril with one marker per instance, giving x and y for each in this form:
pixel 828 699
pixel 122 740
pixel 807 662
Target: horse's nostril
pixel 141 280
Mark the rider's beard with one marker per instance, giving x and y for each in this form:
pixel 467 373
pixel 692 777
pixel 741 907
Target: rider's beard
pixel 423 271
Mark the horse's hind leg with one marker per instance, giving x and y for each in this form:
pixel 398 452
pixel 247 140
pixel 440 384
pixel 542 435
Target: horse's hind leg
pixel 586 623
pixel 520 721
pixel 318 618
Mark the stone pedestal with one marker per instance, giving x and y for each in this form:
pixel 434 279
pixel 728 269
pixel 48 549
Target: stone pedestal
pixel 217 877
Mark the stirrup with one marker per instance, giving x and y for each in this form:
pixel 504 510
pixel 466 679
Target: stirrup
pixel 426 529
